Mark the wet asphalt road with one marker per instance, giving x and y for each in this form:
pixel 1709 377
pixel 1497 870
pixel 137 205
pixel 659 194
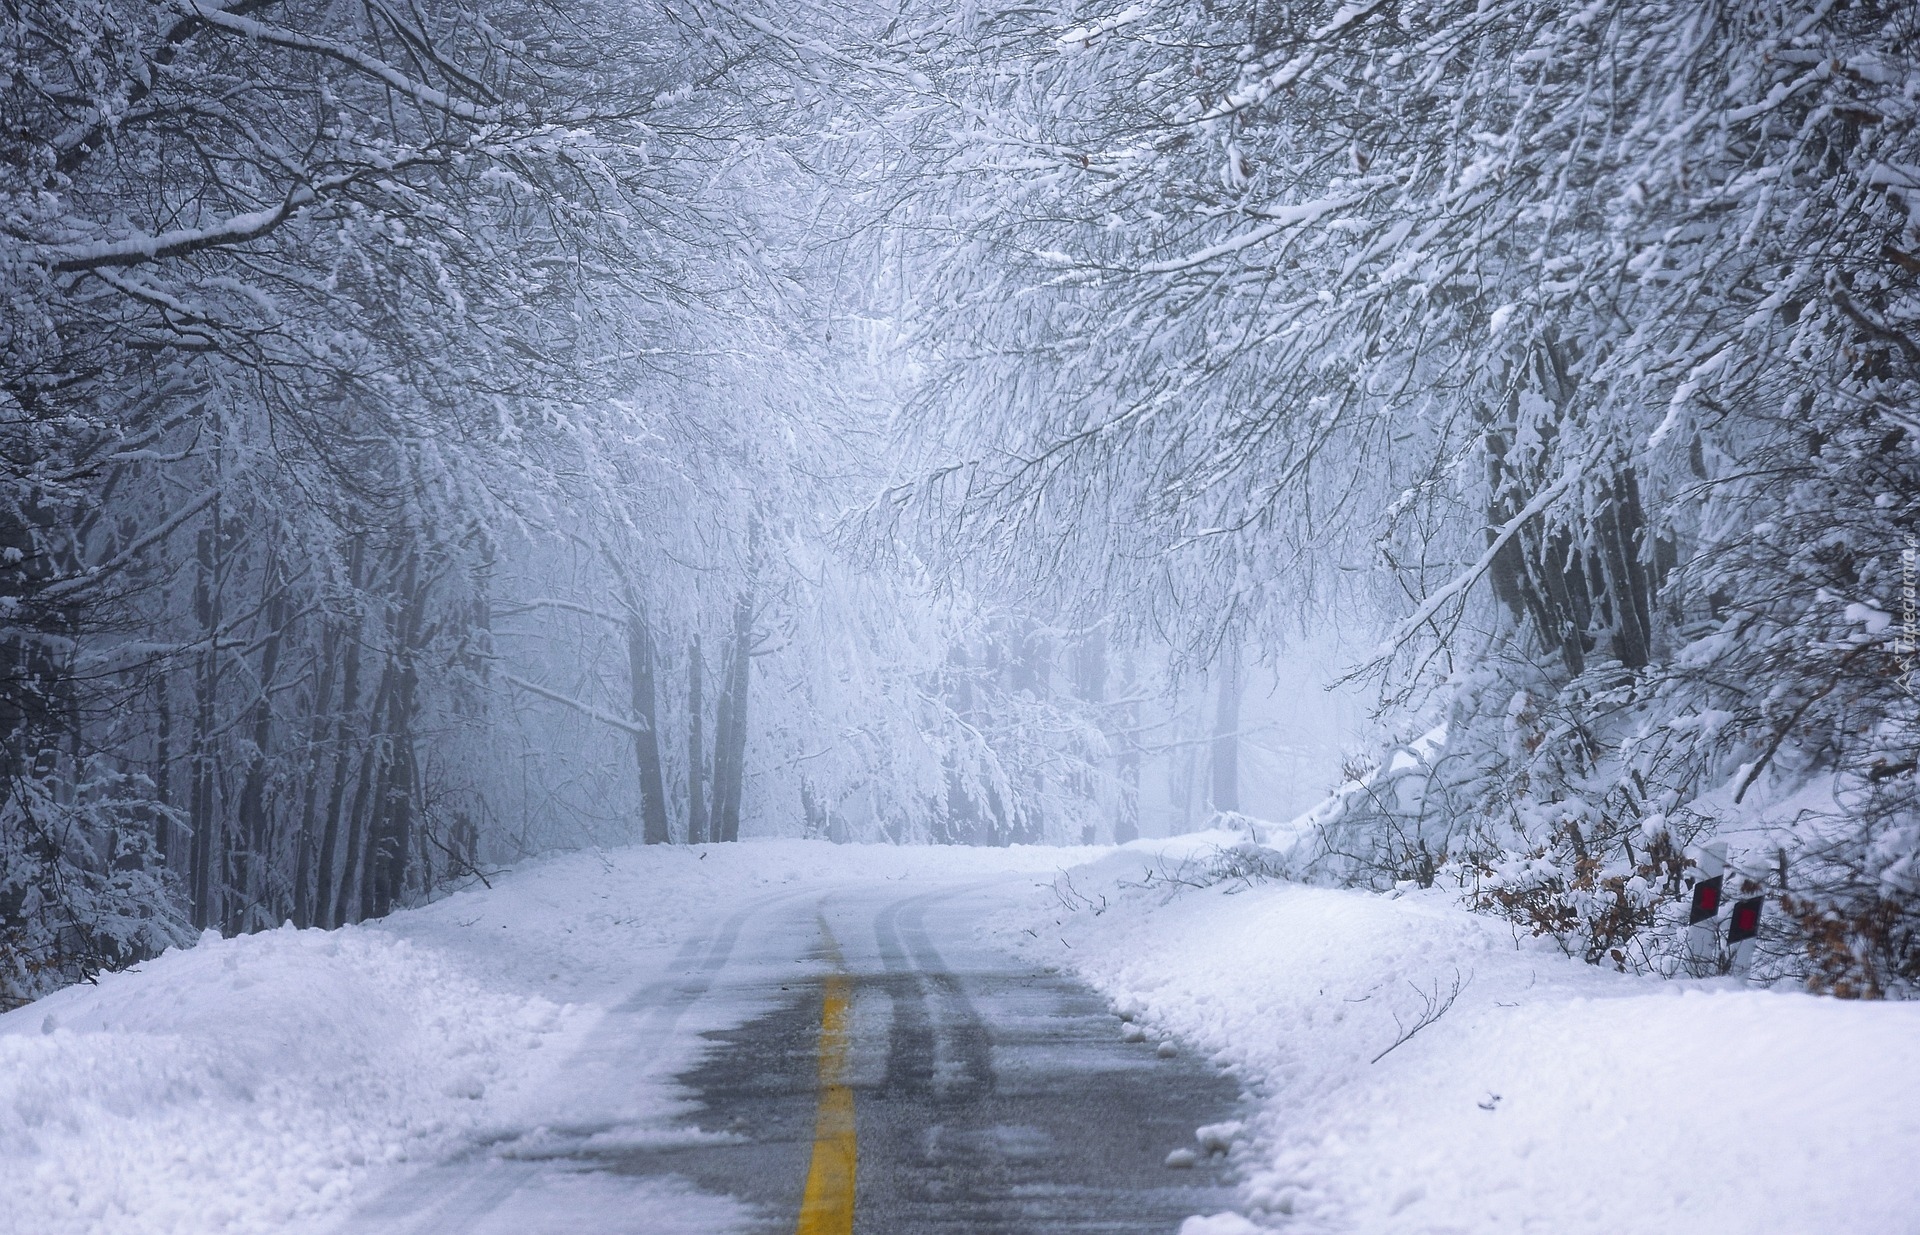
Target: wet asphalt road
pixel 989 1098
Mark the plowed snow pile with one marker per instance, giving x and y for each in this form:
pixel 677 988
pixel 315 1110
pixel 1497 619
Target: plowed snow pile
pixel 1551 1096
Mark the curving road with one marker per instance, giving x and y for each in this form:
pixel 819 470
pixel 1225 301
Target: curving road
pixel 869 1065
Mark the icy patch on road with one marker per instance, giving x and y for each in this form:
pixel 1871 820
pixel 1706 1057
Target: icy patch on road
pixel 1550 1095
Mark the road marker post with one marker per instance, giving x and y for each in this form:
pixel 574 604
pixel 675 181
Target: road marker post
pixel 1743 931
pixel 1703 935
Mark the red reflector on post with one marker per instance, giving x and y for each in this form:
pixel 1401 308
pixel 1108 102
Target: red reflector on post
pixel 1706 900
pixel 1746 920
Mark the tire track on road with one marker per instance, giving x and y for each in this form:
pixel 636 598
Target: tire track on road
pixel 450 1197
pixel 948 1058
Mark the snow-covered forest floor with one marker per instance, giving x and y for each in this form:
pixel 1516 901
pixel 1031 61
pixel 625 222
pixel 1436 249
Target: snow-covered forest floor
pixel 278 1081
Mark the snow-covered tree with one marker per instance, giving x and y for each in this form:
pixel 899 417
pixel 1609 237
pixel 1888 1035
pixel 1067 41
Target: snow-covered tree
pixel 1584 339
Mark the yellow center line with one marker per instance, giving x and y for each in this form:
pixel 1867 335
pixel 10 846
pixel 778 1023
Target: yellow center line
pixel 826 1208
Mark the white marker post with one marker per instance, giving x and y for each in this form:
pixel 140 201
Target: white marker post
pixel 1703 935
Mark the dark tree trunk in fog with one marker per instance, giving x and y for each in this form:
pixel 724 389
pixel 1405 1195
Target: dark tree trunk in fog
pixel 391 833
pixel 1226 733
pixel 1090 666
pixel 203 806
pixel 163 767
pixel 1030 672
pixel 304 874
pixel 1090 670
pixel 38 697
pixel 730 737
pixel 641 664
pixel 1621 530
pixel 1126 824
pixel 722 727
pixel 819 822
pixel 696 756
pixel 960 825
pixel 351 902
pixel 248 862
pixel 1573 588
pixel 329 877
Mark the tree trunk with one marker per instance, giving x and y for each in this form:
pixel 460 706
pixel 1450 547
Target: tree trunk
pixel 1226 733
pixel 1031 672
pixel 1126 824
pixel 203 804
pixel 730 745
pixel 696 756
pixel 722 744
pixel 811 810
pixel 641 670
pixel 303 873
pixel 163 766
pixel 1090 666
pixel 1621 529
pixel 250 859
pixel 329 877
pixel 355 892
pixel 38 701
pixel 390 839
pixel 1090 672
pixel 961 823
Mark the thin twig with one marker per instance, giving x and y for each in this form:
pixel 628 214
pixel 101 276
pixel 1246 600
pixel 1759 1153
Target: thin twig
pixel 1434 1006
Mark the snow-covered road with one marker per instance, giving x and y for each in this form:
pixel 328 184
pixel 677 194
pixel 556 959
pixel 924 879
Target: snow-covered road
pixel 986 1095
pixel 747 1037
pixel 617 1042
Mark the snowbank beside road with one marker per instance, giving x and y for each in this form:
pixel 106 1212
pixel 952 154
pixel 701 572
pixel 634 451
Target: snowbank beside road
pixel 1550 1096
pixel 266 1084
pixel 245 1084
